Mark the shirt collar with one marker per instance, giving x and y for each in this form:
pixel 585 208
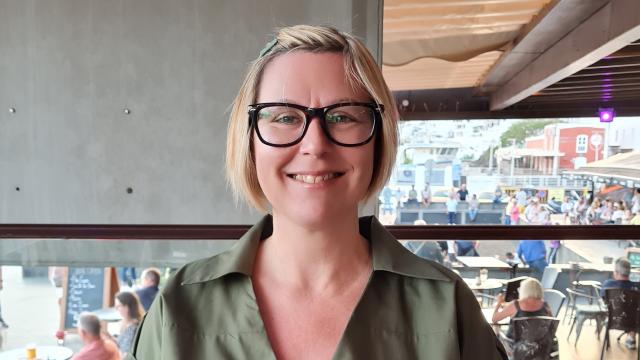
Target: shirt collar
pixel 387 255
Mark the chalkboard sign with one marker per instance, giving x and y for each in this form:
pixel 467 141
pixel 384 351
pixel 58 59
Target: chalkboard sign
pixel 633 255
pixel 84 291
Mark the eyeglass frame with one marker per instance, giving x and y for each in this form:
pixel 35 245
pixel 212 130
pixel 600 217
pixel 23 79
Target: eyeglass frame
pixel 312 113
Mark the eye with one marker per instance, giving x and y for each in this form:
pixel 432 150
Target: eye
pixel 336 118
pixel 280 115
pixel 286 119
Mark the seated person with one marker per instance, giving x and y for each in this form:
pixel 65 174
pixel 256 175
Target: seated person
pixel 426 249
pixel 149 289
pixel 413 197
pixel 466 248
pixel 529 304
pixel 95 348
pixel 621 272
pixel 128 305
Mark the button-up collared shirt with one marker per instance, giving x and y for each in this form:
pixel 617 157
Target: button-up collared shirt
pixel 411 308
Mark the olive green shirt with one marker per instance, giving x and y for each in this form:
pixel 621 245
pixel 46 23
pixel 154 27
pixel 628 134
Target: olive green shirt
pixel 411 309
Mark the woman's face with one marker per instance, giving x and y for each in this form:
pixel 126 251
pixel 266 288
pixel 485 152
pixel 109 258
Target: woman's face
pixel 313 80
pixel 123 310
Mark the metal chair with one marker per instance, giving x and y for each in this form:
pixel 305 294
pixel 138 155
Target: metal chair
pixel 533 337
pixel 589 285
pixel 582 312
pixel 549 277
pixel 554 299
pixel 624 313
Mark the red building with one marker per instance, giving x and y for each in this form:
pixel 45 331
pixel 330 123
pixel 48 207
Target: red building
pixel 563 147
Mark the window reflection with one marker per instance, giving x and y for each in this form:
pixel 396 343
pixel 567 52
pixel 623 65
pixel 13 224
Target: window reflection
pixel 515 172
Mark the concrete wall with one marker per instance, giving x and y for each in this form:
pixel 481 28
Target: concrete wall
pixel 69 153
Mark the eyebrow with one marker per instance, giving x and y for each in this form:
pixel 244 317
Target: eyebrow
pixel 335 101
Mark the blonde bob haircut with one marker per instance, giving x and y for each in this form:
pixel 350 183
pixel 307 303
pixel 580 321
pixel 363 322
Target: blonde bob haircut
pixel 530 288
pixel 362 73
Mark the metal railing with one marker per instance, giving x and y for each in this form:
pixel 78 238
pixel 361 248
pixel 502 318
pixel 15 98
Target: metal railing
pixel 537 181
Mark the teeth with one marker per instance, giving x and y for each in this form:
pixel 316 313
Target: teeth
pixel 310 179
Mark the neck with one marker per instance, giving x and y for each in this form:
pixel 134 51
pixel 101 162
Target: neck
pixel 314 259
pixel 128 321
pixel 91 339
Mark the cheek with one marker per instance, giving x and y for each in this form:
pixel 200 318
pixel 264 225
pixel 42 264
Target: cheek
pixel 364 162
pixel 268 162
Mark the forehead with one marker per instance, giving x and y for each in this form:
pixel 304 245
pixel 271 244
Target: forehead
pixel 305 78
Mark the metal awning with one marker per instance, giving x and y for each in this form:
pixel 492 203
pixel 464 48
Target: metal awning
pixel 624 167
pixel 508 152
pixel 436 44
pixel 512 58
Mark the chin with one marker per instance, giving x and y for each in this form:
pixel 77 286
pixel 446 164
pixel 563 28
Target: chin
pixel 318 215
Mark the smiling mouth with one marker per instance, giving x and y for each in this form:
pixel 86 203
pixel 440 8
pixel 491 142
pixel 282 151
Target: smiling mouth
pixel 314 179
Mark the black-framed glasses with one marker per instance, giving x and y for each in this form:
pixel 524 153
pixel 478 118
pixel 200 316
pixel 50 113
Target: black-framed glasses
pixel 345 124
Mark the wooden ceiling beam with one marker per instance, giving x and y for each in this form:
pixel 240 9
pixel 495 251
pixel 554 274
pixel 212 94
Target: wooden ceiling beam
pixel 601 90
pixel 566 98
pixel 615 79
pixel 599 85
pixel 609 63
pixel 604 73
pixel 612 27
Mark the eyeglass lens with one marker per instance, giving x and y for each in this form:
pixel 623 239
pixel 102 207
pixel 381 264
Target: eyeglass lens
pixel 350 124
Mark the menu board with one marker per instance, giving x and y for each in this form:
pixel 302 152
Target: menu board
pixel 84 291
pixel 633 254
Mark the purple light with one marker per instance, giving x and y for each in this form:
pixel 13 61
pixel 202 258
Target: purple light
pixel 606 114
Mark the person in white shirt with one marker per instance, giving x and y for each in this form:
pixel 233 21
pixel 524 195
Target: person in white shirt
pixel 565 208
pixel 426 195
pixel 473 208
pixel 618 214
pixel 635 203
pixel 452 208
pixel 531 212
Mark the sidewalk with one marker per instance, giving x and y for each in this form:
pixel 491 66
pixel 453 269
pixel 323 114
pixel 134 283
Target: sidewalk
pixel 30 307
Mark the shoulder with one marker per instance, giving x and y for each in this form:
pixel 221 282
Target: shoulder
pixel 610 283
pixel 131 329
pixel 110 347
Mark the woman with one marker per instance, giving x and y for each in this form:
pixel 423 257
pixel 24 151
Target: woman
pixel 312 280
pixel 607 212
pixel 452 208
pixel 515 212
pixel 593 213
pixel 530 303
pixel 128 305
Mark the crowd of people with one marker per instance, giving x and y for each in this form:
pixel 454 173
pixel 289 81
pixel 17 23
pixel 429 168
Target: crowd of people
pixel 525 209
pixel 607 211
pixel 98 343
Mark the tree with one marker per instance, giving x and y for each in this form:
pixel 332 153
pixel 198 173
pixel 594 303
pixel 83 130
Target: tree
pixel 523 129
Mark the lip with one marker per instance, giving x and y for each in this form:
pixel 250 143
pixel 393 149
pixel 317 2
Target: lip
pixel 315 173
pixel 291 177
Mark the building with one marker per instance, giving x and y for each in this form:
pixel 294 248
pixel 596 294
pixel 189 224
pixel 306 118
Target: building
pixel 563 147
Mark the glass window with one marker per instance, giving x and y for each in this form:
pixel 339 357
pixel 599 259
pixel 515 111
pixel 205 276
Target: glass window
pixel 581 144
pixel 518 172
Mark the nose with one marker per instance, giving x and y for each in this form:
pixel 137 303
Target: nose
pixel 315 141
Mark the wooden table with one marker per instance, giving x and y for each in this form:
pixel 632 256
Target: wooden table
pixel 483 262
pixel 42 352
